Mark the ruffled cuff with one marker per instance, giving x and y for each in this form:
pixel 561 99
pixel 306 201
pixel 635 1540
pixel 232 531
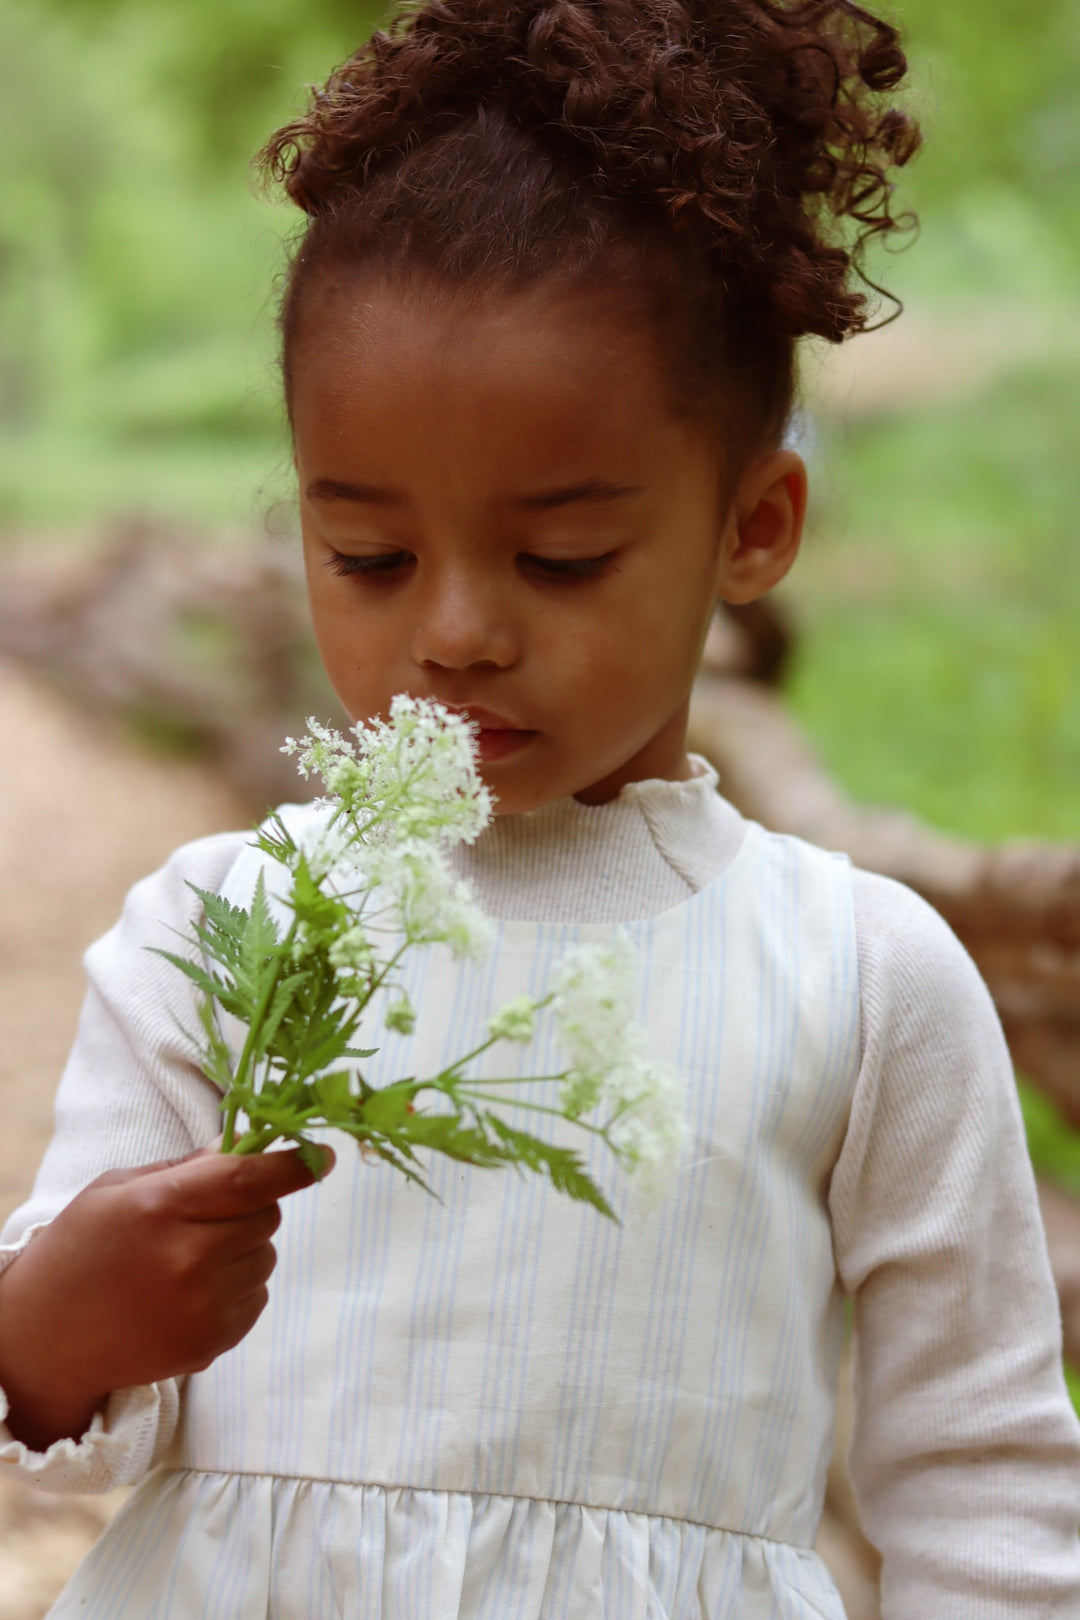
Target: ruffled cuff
pixel 124 1441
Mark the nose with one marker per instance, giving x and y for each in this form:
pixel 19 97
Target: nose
pixel 464 620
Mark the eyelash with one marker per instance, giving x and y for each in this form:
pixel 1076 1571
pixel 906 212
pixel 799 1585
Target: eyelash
pixel 350 567
pixel 553 569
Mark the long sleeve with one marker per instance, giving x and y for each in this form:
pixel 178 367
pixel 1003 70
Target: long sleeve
pixel 966 1454
pixel 131 1093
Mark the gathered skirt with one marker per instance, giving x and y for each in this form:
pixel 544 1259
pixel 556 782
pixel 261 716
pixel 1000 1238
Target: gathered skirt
pixel 206 1546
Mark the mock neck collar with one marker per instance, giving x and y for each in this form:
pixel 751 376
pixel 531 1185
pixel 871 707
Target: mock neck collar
pixel 656 843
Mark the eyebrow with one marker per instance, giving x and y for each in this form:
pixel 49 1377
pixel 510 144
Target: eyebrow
pixel 331 489
pixel 593 491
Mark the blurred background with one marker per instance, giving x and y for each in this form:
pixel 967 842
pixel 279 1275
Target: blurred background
pixel 939 661
pixel 936 608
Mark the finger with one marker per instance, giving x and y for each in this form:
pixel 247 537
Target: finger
pixel 117 1178
pixel 231 1239
pixel 221 1186
pixel 250 1272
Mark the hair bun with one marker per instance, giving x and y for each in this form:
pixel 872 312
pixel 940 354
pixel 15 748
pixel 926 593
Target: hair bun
pixel 756 125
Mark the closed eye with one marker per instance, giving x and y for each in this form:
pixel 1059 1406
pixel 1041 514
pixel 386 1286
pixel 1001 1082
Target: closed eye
pixel 349 566
pixel 566 569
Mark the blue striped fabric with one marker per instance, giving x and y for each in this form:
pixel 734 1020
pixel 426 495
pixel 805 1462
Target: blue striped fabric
pixel 496 1403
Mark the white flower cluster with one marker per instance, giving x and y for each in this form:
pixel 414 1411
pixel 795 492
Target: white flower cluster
pixel 400 1015
pixel 429 905
pixel 412 776
pixel 405 790
pixel 514 1021
pixel 609 1065
pixel 351 950
pixel 401 793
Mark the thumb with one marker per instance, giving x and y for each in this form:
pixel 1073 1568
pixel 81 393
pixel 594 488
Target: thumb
pixel 211 1186
pixel 117 1178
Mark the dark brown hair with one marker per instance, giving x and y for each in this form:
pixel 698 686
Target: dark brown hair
pixel 727 159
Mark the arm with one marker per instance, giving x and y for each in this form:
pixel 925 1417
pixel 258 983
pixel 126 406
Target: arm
pixel 131 1093
pixel 966 1456
pixel 145 1276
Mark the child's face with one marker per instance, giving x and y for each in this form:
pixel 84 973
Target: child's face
pixel 501 511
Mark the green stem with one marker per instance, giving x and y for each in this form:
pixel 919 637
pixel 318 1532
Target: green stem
pixel 240 1076
pixel 493 1040
pixel 503 1080
pixel 542 1108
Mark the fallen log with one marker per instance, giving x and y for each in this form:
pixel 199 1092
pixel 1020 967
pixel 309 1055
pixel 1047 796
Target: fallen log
pixel 1016 906
pixel 202 647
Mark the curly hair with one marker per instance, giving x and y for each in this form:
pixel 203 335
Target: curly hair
pixel 730 157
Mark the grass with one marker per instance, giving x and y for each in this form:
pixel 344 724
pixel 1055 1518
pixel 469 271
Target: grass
pixel 938 595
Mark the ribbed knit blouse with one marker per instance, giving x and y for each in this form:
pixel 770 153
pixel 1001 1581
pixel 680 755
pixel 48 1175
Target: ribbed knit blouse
pixel 966 1456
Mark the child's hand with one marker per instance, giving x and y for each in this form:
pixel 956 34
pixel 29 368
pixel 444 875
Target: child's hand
pixel 146 1275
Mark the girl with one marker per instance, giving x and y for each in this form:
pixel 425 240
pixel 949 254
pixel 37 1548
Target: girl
pixel 538 351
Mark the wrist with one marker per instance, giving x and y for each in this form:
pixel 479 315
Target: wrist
pixel 47 1398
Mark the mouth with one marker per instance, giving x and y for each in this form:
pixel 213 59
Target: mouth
pixel 497 738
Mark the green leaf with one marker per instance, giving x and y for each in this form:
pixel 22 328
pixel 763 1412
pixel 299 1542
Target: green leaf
pixel 333 1092
pixel 562 1165
pixel 217 1055
pixel 260 936
pixel 385 1152
pixel 228 919
pixel 312 1155
pixel 275 840
pixel 388 1108
pixel 444 1133
pixel 209 985
pixel 322 914
pixel 279 1006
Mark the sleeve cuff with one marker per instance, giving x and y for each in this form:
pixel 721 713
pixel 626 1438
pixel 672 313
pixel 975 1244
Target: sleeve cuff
pixel 122 1444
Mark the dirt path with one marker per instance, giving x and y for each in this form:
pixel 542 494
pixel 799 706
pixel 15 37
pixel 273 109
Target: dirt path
pixel 82 816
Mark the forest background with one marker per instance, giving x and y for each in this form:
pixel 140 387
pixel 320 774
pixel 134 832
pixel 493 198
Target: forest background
pixel 938 599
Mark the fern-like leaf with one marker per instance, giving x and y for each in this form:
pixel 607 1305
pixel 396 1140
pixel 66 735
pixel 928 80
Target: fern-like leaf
pixel 562 1166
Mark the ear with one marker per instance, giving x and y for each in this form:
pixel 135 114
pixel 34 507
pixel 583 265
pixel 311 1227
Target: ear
pixel 764 527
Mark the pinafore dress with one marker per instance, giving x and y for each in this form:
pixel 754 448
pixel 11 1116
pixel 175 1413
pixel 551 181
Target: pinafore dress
pixel 498 1405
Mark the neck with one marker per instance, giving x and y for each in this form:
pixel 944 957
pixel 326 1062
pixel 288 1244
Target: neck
pixel 663 759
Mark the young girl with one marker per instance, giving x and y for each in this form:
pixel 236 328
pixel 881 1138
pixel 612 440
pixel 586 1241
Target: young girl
pixel 538 354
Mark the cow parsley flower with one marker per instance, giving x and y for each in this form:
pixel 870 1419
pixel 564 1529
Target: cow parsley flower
pixel 514 1021
pixel 651 1134
pixel 593 1005
pixel 408 778
pixel 609 1068
pixel 351 950
pixel 370 879
pixel 400 1015
pixel 427 903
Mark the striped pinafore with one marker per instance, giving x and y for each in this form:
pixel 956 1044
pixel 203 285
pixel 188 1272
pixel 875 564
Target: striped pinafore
pixel 497 1404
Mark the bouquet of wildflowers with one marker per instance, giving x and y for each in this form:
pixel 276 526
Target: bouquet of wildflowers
pixel 306 971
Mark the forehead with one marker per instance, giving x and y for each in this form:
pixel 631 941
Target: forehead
pixel 517 382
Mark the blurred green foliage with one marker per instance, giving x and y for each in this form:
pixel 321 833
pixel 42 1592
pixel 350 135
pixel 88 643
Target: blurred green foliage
pixel 136 261
pixel 137 267
pixel 939 594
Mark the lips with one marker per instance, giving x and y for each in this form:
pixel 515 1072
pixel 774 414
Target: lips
pixel 497 737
